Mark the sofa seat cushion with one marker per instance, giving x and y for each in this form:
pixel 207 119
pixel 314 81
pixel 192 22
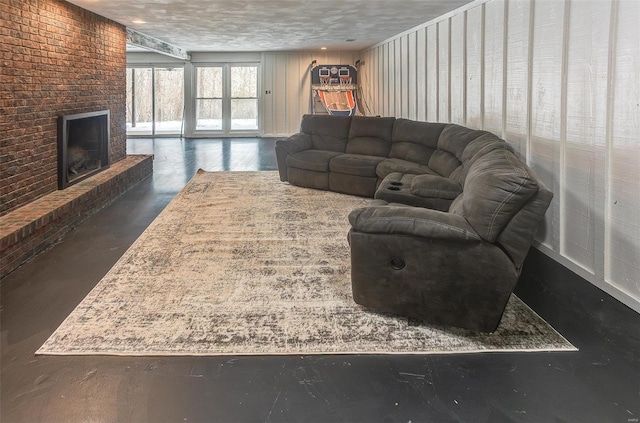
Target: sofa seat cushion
pixel 412 221
pixel 355 164
pixel 388 166
pixel 363 186
pixel 434 186
pixel 316 160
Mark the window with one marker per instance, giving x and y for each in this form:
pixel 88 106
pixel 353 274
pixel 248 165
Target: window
pixel 209 98
pixel 139 101
pixel 155 100
pixel 169 100
pixel 244 98
pixel 227 98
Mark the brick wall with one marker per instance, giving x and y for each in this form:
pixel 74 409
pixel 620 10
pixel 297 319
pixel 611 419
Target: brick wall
pixel 56 58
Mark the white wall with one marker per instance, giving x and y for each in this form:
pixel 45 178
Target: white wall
pixel 559 80
pixel 286 76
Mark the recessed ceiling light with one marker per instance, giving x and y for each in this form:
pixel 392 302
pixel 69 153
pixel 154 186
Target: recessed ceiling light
pixel 323 48
pixel 139 21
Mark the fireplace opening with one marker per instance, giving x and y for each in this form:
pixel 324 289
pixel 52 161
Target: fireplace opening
pixel 83 146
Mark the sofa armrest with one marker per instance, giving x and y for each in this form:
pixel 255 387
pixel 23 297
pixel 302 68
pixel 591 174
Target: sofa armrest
pixel 295 143
pixel 286 146
pixel 412 221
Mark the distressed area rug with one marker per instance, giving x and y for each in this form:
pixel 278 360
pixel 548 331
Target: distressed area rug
pixel 240 263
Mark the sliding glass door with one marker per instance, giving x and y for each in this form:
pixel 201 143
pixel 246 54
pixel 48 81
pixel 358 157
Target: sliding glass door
pixel 244 98
pixel 209 81
pixel 155 101
pixel 227 98
pixel 169 100
pixel 139 101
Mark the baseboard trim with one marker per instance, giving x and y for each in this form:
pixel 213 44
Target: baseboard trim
pixel 620 295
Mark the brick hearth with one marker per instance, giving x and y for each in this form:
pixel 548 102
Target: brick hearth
pixel 31 229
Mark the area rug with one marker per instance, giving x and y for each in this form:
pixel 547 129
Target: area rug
pixel 240 263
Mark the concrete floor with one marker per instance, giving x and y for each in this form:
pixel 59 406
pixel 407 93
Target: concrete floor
pixel 600 383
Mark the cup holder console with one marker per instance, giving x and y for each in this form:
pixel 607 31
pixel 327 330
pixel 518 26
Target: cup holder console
pixel 393 188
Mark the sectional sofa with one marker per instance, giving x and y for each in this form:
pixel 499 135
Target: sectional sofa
pixel 454 215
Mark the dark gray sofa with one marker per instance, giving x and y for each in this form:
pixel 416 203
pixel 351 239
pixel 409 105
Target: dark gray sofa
pixel 455 212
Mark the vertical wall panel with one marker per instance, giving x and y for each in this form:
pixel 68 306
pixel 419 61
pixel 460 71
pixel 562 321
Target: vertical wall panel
pixel 421 75
pixel 474 67
pixel 517 78
pixel 398 77
pixel 397 66
pixel 371 98
pixel 585 147
pixel 377 109
pixel 383 86
pixel 371 65
pixel 377 84
pixel 412 85
pixel 268 66
pixel 396 107
pixel 624 162
pixel 304 69
pixel 457 73
pixel 493 66
pixel 365 79
pixel 346 58
pixel 296 91
pixel 387 82
pixel 546 79
pixel 433 100
pixel 444 59
pixel 405 80
pixel 391 65
pixel 280 94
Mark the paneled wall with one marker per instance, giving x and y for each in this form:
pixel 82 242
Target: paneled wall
pixel 559 81
pixel 286 87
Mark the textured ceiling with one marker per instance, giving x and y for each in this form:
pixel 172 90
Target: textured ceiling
pixel 271 25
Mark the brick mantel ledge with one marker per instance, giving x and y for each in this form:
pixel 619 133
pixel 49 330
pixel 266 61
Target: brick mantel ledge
pixel 33 228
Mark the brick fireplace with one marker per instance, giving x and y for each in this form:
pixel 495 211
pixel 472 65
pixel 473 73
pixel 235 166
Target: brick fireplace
pixel 57 60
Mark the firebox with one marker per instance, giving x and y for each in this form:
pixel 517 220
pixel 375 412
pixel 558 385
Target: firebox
pixel 83 146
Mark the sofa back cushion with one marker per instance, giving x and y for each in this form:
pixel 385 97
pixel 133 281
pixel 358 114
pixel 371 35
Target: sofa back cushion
pixel 443 163
pixel 327 132
pixel 497 187
pixel 414 141
pixel 476 149
pixel 370 136
pixel 452 142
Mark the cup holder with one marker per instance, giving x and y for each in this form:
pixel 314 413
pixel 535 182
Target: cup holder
pixel 397 263
pixel 395 183
pixel 393 188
